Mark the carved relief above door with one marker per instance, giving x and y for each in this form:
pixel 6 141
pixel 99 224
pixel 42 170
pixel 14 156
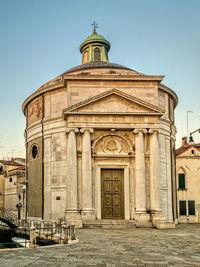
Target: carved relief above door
pixel 112 194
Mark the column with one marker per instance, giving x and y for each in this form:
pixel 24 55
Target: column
pixel 169 177
pixel 140 179
pixel 72 170
pixel 154 172
pixel 86 173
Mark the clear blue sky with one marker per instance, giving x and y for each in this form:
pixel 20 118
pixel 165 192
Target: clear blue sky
pixel 40 40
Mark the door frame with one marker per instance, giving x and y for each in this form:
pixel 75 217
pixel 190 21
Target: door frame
pixel 98 167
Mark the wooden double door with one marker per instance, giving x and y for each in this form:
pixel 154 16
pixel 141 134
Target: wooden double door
pixel 112 194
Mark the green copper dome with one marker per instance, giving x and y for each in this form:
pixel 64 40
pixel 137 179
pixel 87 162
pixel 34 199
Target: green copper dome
pixel 95 37
pixel 94 48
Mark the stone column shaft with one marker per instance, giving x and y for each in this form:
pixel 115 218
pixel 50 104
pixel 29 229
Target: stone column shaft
pixel 154 173
pixel 71 171
pixel 86 171
pixel 140 183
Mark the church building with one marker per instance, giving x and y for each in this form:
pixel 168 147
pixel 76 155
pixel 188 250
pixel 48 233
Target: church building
pixel 100 144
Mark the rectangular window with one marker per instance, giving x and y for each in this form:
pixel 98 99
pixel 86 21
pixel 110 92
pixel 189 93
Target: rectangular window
pixel 182 207
pixel 191 207
pixel 181 181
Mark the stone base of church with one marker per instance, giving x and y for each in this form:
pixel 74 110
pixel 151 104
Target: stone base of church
pixel 88 215
pixel 74 217
pixel 159 221
pixel 141 216
pixel 157 216
pixel 164 225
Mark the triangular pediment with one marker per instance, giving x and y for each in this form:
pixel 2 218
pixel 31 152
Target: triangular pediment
pixel 191 151
pixel 114 101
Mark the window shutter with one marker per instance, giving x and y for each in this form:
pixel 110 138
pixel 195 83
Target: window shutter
pixel 182 207
pixel 181 180
pixel 191 207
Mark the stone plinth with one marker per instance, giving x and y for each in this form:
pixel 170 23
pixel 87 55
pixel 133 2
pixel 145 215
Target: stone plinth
pixel 74 217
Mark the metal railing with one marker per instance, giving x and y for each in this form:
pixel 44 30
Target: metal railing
pixel 44 233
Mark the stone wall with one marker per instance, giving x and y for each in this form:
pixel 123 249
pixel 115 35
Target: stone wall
pixel 35 179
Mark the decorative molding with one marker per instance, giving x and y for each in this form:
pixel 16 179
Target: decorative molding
pixel 82 130
pixel 136 131
pixel 68 130
pixel 111 145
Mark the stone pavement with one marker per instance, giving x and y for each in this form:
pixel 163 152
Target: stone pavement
pixel 116 247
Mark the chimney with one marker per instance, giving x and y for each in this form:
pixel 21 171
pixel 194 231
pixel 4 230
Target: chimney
pixel 184 141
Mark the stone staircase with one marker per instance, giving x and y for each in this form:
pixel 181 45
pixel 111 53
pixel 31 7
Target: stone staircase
pixel 108 224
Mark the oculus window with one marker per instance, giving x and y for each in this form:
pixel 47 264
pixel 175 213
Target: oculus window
pixel 34 151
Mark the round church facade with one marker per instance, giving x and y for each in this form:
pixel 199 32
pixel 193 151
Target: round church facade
pixel 100 144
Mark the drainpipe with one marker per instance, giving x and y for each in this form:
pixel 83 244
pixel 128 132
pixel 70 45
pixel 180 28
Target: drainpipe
pixel 26 178
pixel 42 156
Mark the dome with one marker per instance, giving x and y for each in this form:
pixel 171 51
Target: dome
pixel 94 38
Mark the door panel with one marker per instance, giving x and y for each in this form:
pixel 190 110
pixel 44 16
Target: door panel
pixel 112 194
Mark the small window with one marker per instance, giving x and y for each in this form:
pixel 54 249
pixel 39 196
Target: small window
pixel 1 170
pixel 58 198
pixel 182 207
pixel 34 152
pixel 192 151
pixel 181 181
pixel 191 207
pixel 96 54
pixel 19 197
pixel 10 179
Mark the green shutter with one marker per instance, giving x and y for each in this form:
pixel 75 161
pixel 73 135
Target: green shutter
pixel 191 207
pixel 181 180
pixel 182 207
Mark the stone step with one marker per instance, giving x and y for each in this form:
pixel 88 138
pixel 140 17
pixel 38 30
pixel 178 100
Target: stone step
pixel 144 225
pixel 108 224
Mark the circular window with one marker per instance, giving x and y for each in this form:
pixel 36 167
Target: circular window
pixel 34 151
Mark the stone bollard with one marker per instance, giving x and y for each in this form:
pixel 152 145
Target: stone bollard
pixel 32 237
pixel 54 227
pixel 42 227
pixel 64 234
pixel 72 232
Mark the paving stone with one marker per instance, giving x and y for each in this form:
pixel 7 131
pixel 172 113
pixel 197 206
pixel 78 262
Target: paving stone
pixel 114 247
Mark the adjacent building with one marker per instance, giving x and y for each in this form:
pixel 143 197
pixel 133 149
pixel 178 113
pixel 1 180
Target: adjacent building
pixel 188 182
pixel 13 186
pixel 15 191
pixel 100 144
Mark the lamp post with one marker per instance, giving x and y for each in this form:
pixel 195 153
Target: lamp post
pixel 191 133
pixel 189 111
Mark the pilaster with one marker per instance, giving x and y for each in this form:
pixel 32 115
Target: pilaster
pixel 87 197
pixel 72 214
pixel 140 177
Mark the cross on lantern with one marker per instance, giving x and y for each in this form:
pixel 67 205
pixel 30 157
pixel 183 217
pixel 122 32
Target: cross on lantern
pixel 95 25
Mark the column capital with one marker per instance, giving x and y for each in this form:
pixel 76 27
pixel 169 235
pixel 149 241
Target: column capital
pixel 68 130
pixel 136 131
pixel 153 131
pixel 90 130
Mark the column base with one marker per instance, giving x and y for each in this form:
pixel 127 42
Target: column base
pixel 88 215
pixel 74 217
pixel 157 216
pixel 142 219
pixel 159 221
